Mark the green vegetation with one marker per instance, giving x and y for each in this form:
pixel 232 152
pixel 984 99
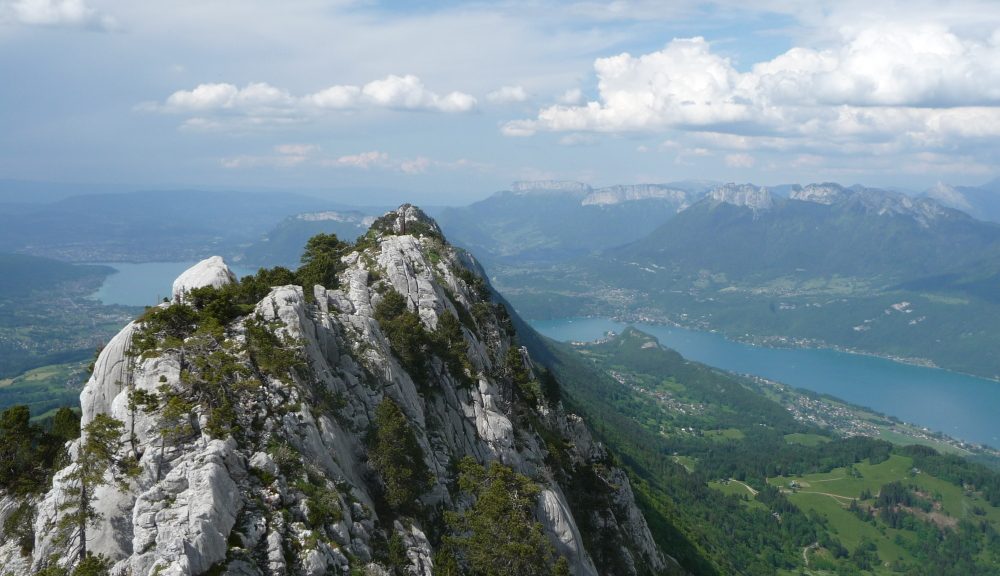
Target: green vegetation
pixel 97 462
pixel 406 334
pixel 28 453
pixel 321 262
pixel 45 389
pixel 713 461
pixel 90 566
pixel 398 459
pixel 806 439
pixel 498 535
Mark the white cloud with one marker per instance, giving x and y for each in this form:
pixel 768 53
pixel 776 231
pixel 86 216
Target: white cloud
pixel 417 165
pixel 408 93
pixel 57 13
pixel 740 161
pixel 364 160
pixel 920 84
pixel 572 96
pixel 264 102
pixel 508 95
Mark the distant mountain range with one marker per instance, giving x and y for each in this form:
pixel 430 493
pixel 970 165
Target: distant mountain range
pixel 820 230
pixel 982 202
pixel 543 222
pixel 822 265
pixel 282 245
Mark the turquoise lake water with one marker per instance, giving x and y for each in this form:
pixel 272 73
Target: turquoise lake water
pixel 962 406
pixel 147 283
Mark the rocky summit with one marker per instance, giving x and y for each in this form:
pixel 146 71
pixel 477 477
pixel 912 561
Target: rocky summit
pixel 377 418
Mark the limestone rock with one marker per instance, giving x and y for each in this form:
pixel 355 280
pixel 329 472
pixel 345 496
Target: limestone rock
pixel 299 437
pixel 211 271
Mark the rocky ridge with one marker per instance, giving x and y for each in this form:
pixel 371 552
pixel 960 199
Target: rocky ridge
pixel 879 202
pixel 245 502
pixel 757 198
pixel 632 193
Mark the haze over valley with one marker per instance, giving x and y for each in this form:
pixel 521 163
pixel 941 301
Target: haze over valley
pixel 499 289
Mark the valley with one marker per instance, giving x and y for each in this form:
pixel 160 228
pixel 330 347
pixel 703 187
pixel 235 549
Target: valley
pixel 785 466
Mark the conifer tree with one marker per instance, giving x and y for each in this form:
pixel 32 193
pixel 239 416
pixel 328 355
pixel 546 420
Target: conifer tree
pixel 97 463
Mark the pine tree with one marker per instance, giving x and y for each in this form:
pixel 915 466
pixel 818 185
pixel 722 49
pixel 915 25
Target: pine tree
pixel 97 462
pixel 498 535
pixel 397 457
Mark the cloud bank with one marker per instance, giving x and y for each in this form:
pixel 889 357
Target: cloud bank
pixel 261 102
pixel 922 83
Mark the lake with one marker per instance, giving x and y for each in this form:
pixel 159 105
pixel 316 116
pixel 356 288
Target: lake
pixel 147 283
pixel 961 406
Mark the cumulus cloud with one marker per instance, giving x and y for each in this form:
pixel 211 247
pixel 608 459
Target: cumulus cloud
pixel 922 83
pixel 571 96
pixel 265 102
pixel 508 95
pixel 57 13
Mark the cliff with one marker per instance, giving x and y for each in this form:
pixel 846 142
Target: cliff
pixel 254 430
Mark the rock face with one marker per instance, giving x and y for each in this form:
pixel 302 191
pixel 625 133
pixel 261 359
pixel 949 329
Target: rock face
pixel 753 197
pixel 209 272
pixel 879 202
pixel 618 194
pixel 287 486
pixel 550 187
pixel 826 194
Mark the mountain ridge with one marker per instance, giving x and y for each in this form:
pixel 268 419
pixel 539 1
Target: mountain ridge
pixel 235 466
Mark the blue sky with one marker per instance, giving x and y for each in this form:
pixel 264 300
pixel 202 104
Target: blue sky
pixel 446 102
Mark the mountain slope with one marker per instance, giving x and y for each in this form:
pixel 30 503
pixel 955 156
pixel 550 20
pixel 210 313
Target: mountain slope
pixel 556 221
pixel 282 245
pixel 982 202
pixel 736 474
pixel 863 269
pixel 322 430
pixel 819 231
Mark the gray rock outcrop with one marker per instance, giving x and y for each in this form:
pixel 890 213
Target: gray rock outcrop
pixel 286 486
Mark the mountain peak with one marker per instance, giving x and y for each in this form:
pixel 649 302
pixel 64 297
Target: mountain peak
pixel 281 413
pixel 885 202
pixel 757 198
pixel 406 220
pixel 212 271
pixel 827 193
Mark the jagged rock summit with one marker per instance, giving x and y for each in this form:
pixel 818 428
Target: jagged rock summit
pixel 757 198
pixel 264 421
pixel 212 271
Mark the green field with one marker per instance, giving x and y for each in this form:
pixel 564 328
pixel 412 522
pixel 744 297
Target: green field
pixel 724 434
pixel 740 490
pixel 45 389
pixel 830 495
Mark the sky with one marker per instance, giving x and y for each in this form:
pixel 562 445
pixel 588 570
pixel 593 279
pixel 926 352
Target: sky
pixel 447 102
